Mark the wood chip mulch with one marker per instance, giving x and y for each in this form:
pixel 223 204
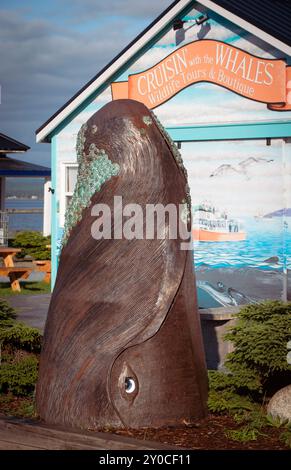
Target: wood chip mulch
pixel 208 434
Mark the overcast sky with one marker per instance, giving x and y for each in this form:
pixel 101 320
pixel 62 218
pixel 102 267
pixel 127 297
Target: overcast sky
pixel 50 48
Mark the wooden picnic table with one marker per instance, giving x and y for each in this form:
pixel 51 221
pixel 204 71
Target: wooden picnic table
pixel 44 266
pixel 7 254
pixel 10 270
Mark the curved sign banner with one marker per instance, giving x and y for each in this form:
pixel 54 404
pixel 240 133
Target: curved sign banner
pixel 259 79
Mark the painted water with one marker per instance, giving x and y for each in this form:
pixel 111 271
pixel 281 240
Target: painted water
pixel 236 273
pixel 267 246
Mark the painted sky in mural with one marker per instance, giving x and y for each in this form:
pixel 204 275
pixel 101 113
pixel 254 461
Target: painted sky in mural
pixel 241 177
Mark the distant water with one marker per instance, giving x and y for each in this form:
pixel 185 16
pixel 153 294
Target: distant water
pixel 19 222
pixel 266 238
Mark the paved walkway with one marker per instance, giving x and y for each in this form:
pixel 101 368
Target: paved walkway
pixel 31 309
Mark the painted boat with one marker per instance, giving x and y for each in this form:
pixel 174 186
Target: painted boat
pixel 211 225
pixel 216 236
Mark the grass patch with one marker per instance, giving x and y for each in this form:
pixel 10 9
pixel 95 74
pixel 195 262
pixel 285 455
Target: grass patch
pixel 27 288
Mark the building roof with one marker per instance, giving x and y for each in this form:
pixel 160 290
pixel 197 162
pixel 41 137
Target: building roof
pixel 11 167
pixel 9 145
pixel 259 24
pixel 272 16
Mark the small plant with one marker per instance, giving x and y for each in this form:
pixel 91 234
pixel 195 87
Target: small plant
pixel 19 336
pixel 223 398
pixel 252 424
pixel 255 418
pixel 19 348
pixel 33 244
pixel 285 436
pixel 19 378
pixel 244 434
pixel 276 421
pixel 7 314
pixel 20 406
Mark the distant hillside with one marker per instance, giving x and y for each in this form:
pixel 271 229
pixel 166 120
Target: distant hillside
pixel 24 187
pixel 279 213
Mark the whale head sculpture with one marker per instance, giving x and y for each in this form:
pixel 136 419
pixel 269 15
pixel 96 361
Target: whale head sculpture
pixel 122 344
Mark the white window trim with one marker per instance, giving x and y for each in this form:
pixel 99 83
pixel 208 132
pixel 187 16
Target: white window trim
pixel 63 192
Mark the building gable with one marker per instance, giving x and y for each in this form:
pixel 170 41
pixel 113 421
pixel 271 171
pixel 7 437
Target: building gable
pixel 130 54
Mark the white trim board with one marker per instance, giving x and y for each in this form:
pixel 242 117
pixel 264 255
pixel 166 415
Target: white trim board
pixel 139 44
pixel 63 193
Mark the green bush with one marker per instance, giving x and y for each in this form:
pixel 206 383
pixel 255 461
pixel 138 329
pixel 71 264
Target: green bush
pixel 19 378
pixel 7 314
pixel 256 366
pixel 228 402
pixel 32 244
pixel 223 396
pixel 19 336
pixel 260 335
pixel 16 335
pixel 19 346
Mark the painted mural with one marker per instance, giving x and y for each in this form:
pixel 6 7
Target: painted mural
pixel 241 220
pixel 240 196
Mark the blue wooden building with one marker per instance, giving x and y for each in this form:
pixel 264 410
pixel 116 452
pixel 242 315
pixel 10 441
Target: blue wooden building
pixel 217 75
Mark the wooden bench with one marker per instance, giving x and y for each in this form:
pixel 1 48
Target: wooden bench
pixel 44 266
pixel 15 274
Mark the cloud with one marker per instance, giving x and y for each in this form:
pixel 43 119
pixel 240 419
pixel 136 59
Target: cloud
pixel 43 64
pixel 86 9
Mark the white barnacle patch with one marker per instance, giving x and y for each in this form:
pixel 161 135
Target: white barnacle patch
pixel 173 147
pixel 94 129
pixel 147 120
pixel 94 152
pixel 177 155
pixel 81 139
pixel 185 214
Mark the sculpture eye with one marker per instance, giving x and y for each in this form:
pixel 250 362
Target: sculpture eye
pixel 129 385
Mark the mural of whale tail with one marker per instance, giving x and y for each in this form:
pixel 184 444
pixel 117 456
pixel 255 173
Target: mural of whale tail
pixel 122 343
